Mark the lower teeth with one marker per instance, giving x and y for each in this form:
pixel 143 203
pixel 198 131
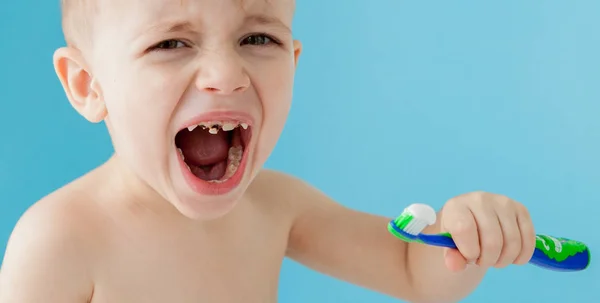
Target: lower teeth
pixel 233 162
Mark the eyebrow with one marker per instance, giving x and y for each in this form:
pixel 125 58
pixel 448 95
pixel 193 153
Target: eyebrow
pixel 186 26
pixel 266 20
pixel 171 27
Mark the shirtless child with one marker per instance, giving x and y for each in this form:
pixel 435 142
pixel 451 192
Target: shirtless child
pixel 195 94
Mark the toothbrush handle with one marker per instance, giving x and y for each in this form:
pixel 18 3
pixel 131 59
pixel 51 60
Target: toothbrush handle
pixel 552 253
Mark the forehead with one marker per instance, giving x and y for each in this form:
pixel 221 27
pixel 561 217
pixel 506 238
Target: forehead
pixel 143 13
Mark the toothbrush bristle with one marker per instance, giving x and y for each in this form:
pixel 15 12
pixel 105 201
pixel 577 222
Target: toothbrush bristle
pixel 415 227
pixel 412 221
pixel 422 212
pixel 415 218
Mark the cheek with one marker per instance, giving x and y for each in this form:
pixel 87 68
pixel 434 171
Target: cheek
pixel 139 106
pixel 276 97
pixel 276 108
pixel 276 94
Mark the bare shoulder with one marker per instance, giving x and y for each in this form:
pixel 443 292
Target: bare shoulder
pixel 47 255
pixel 299 199
pixel 275 181
pixel 283 189
pixel 337 240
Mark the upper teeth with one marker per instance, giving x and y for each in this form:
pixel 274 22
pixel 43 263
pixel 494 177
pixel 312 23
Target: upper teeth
pixel 228 126
pixel 214 126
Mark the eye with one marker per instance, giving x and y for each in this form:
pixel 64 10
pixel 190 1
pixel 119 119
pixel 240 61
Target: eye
pixel 168 45
pixel 258 40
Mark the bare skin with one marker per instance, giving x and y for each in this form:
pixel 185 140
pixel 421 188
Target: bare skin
pixel 122 251
pixel 136 230
pixel 92 242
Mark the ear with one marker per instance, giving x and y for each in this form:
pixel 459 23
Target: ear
pixel 297 51
pixel 81 89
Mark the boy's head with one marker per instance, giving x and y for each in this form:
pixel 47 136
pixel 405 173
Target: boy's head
pixel 154 70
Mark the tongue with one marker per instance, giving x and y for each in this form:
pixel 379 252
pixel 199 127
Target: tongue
pixel 201 148
pixel 210 172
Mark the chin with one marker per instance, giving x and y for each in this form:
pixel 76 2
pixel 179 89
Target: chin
pixel 198 199
pixel 208 208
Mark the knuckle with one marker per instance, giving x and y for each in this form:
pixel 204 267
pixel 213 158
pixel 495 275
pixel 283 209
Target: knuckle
pixel 523 211
pixel 453 202
pixel 492 244
pixel 468 197
pixel 505 203
pixel 463 226
pixel 512 251
pixel 512 238
pixel 480 196
pixel 477 193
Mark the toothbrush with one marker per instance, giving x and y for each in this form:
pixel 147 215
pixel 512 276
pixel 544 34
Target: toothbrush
pixel 558 254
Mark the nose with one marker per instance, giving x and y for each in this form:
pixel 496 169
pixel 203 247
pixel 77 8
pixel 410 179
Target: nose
pixel 222 73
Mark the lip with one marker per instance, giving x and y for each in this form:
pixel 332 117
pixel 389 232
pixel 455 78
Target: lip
pixel 219 116
pixel 213 189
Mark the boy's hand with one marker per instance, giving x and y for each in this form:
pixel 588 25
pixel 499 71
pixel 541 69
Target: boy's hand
pixel 489 230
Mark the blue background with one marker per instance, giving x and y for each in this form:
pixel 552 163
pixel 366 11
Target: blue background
pixel 396 102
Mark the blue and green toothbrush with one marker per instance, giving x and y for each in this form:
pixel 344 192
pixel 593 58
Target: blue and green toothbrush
pixel 558 254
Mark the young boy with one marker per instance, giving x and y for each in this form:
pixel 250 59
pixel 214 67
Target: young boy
pixel 195 94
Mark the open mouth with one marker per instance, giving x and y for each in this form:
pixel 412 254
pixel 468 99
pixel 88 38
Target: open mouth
pixel 213 151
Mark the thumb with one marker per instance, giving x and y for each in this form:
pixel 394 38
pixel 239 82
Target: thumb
pixel 454 260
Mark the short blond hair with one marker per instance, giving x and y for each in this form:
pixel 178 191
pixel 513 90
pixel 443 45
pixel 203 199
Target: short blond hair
pixel 77 21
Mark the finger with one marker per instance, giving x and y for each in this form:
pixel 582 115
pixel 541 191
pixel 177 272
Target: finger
pixel 458 220
pixel 511 234
pixel 527 236
pixel 490 233
pixel 454 260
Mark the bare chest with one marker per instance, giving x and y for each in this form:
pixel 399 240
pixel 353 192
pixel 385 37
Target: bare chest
pixel 237 265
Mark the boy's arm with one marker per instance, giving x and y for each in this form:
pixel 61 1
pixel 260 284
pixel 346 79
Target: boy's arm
pixel 43 261
pixel 356 247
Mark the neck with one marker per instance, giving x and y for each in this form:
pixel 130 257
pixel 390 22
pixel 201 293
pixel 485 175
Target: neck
pixel 135 192
pixel 130 192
